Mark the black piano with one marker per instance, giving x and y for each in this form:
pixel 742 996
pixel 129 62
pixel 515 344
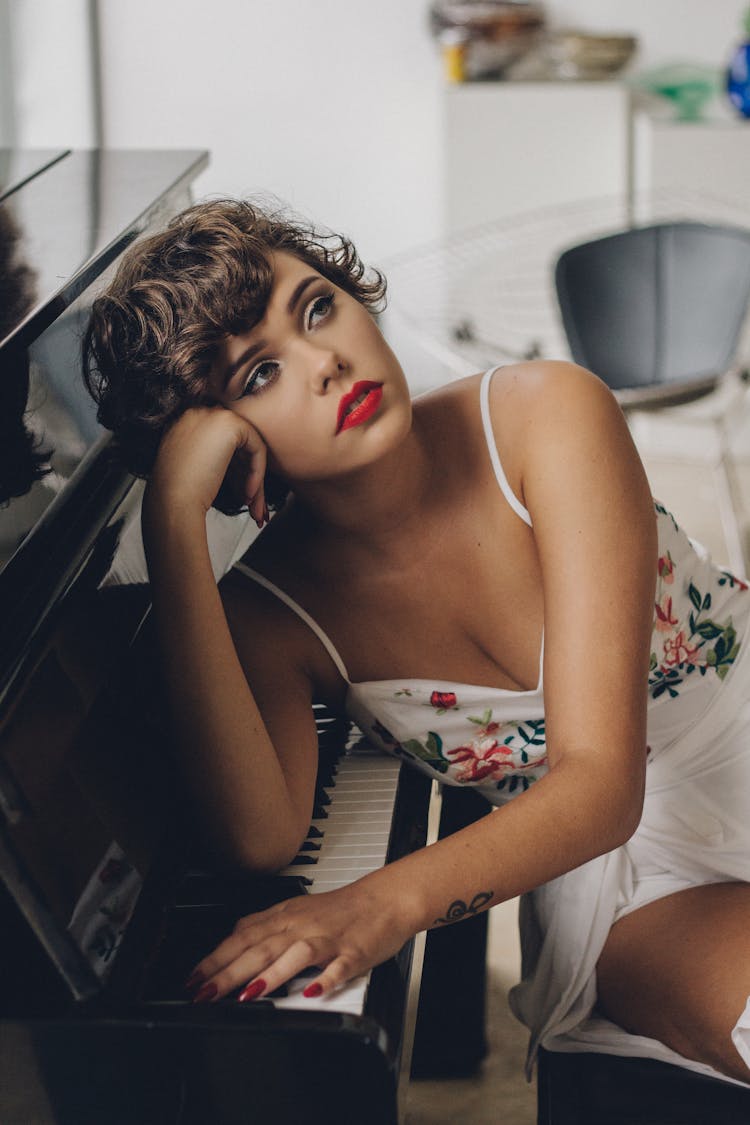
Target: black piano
pixel 108 895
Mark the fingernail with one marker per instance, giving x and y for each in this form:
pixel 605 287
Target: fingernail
pixel 205 994
pixel 266 514
pixel 252 990
pixel 196 978
pixel 314 989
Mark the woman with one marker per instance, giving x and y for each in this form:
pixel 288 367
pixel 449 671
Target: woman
pixel 487 588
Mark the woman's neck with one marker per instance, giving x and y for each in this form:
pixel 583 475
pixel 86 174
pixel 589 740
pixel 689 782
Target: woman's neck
pixel 378 504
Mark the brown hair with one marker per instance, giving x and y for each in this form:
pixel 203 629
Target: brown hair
pixel 153 335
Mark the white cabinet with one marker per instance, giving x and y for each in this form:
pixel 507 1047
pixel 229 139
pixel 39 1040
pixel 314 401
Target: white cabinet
pixel 512 147
pixel 709 159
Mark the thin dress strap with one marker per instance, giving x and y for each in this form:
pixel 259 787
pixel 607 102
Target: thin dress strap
pixel 323 637
pixel 502 480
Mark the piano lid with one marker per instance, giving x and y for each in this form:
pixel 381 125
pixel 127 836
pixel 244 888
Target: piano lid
pixel 61 232
pixel 64 220
pixel 17 165
pixel 75 216
pixel 65 503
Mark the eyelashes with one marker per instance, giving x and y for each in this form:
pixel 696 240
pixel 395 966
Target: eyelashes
pixel 260 377
pixel 318 310
pixel 265 373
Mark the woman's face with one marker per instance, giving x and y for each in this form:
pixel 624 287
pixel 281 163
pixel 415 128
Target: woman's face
pixel 316 379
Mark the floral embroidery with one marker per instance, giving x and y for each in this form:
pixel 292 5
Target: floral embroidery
pixel 663 512
pixel 443 701
pixel 664 618
pixel 665 568
pixel 698 645
pixel 691 639
pixel 732 581
pixel 678 651
pixel 431 752
pixel 488 756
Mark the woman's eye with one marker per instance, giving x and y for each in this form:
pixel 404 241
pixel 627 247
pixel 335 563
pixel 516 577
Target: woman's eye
pixel 260 376
pixel 319 309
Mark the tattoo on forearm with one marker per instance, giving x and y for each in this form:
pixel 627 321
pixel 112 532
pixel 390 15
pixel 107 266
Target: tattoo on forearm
pixel 458 909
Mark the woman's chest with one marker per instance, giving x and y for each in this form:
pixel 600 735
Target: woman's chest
pixel 463 603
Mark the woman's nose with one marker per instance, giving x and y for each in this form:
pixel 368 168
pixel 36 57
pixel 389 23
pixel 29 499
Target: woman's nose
pixel 327 367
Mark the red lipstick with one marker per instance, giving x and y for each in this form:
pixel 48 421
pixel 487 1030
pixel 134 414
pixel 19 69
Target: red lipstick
pixel 359 404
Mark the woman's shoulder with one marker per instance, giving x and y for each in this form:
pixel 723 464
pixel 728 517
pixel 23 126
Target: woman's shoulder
pixel 525 379
pixel 540 386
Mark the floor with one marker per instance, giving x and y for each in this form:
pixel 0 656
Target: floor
pixel 697 457
pixel 500 1094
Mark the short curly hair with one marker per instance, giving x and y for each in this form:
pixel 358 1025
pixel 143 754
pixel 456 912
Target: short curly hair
pixel 153 335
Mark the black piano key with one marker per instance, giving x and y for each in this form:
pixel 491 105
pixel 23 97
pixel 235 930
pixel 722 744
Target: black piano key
pixel 309 846
pixel 244 894
pixel 204 911
pixel 303 861
pixel 319 813
pixel 188 935
pixel 321 797
pixel 278 993
pixel 314 833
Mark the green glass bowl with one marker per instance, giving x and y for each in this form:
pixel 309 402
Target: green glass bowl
pixel 689 88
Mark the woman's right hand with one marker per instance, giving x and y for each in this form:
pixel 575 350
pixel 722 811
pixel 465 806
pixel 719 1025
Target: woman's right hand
pixel 206 444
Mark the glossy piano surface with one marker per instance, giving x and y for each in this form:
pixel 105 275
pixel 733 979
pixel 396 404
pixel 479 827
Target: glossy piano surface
pixel 19 165
pixel 64 221
pixel 74 215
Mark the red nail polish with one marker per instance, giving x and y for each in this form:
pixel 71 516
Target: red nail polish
pixel 195 979
pixel 314 989
pixel 205 994
pixel 252 990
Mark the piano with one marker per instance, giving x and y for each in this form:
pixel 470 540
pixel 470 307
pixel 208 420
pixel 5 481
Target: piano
pixel 108 895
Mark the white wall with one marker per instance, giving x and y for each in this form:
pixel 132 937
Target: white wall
pixel 330 105
pixel 48 54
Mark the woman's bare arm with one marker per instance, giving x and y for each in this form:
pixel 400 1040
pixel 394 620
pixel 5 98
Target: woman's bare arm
pixel 595 532
pixel 257 797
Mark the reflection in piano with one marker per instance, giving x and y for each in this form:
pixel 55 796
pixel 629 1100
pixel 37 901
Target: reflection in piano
pixel 108 895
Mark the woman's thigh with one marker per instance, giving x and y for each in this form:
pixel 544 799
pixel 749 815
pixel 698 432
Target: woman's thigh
pixel 678 970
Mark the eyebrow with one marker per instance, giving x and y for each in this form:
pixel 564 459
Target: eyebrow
pixel 248 354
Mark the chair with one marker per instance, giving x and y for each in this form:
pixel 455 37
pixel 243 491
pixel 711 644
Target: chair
pixel 656 311
pixel 591 1089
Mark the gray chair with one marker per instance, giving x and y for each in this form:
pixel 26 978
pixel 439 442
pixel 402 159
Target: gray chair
pixel 656 311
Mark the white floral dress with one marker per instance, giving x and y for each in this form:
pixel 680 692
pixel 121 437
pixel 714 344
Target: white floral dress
pixel 695 826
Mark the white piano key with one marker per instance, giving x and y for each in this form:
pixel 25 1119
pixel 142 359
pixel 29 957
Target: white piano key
pixel 354 842
pixel 350 998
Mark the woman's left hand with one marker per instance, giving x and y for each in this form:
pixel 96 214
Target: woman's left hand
pixel 343 932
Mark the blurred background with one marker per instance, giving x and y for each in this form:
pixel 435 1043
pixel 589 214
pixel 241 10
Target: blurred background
pixel 463 145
